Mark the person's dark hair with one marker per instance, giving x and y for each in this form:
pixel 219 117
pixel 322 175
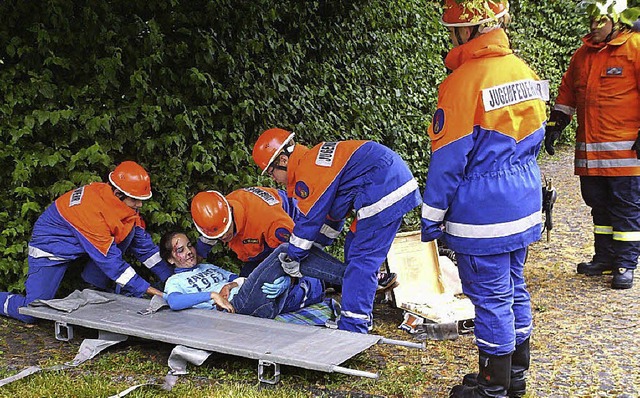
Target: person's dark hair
pixel 165 244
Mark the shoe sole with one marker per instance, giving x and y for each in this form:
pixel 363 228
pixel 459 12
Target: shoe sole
pixel 622 286
pixel 391 286
pixel 594 273
pixel 608 272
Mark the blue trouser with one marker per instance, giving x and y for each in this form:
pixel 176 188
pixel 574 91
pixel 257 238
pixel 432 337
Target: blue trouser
pixel 250 300
pixel 306 292
pixel 365 251
pixel 615 208
pixel 496 287
pixel 43 280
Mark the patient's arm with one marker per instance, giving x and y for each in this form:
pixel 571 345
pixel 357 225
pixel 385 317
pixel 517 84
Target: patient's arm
pixel 180 301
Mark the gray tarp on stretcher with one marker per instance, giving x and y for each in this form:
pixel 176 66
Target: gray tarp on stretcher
pixel 302 346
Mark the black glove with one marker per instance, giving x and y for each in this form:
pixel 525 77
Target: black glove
pixel 557 122
pixel 636 146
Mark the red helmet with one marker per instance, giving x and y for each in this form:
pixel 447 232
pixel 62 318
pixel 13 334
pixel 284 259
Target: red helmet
pixel 211 214
pixel 132 179
pixel 269 145
pixel 458 14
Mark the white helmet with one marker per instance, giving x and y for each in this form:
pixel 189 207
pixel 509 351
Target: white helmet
pixel 595 8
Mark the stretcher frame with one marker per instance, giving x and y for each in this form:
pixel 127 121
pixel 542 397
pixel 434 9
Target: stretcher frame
pixel 270 342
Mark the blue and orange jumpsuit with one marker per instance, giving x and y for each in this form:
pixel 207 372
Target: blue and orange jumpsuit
pixel 483 189
pixel 263 219
pixel 329 181
pixel 89 223
pixel 602 86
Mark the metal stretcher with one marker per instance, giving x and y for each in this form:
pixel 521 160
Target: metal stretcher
pixel 271 342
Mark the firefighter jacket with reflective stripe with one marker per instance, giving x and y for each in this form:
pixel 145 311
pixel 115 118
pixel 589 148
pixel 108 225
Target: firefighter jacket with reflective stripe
pixel 333 178
pixel 483 183
pixel 91 221
pixel 602 85
pixel 261 222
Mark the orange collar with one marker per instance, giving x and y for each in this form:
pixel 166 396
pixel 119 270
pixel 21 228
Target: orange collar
pixel 620 39
pixel 491 44
pixel 294 161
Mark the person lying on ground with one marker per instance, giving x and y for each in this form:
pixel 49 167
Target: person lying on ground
pixel 267 292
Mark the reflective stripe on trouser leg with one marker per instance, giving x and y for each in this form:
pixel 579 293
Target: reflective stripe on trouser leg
pixel 521 298
pixel 596 194
pixel 367 252
pixel 625 219
pixel 42 283
pixel 486 280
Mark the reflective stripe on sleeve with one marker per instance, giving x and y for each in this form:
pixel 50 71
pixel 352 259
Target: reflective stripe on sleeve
pixel 126 276
pixel 329 232
pixel 303 244
pixel 565 109
pixel 493 230
pixel 433 214
pixel 153 260
pixel 607 163
pixel 604 146
pixel 388 200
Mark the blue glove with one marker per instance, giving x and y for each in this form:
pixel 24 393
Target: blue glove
pixel 275 289
pixel 431 232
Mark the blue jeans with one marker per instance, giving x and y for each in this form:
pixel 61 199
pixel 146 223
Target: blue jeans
pixel 251 301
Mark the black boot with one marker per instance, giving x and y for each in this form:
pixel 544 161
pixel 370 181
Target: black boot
pixel 492 381
pixel 622 278
pixel 520 360
pixel 602 262
pixel 593 268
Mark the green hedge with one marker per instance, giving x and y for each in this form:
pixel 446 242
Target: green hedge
pixel 185 87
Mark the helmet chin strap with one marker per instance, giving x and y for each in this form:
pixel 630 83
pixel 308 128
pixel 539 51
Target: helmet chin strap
pixel 119 194
pixel 613 30
pixel 278 167
pixel 473 33
pixel 287 151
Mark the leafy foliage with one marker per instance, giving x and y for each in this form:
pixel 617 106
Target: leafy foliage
pixel 185 87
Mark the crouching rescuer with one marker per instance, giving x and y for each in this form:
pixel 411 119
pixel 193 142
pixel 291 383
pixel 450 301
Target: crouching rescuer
pixel 483 191
pixel 94 224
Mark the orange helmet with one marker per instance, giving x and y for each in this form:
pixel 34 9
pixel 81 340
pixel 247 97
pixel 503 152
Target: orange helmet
pixel 458 14
pixel 211 214
pixel 132 179
pixel 269 145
